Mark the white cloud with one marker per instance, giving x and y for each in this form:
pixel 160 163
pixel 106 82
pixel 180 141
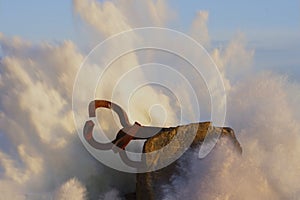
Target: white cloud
pixel 36 118
pixel 266 121
pixel 43 149
pixel 72 189
pixel 33 166
pixel 113 194
pixel 112 17
pixel 234 61
pixel 199 30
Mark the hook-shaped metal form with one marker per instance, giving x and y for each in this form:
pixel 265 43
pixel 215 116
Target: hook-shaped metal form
pixel 124 136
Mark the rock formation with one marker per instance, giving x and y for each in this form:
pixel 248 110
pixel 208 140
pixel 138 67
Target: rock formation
pixel 148 185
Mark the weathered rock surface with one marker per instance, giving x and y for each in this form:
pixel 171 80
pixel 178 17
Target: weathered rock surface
pixel 148 185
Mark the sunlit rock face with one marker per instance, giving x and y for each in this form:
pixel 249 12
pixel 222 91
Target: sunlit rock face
pixel 150 185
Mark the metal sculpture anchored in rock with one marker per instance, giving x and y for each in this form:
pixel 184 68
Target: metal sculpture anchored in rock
pixel 137 131
pixel 125 135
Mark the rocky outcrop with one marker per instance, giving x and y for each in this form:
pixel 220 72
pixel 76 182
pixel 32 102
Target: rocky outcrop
pixel 148 185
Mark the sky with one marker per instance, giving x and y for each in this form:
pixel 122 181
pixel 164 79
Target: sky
pixel 271 27
pixel 255 45
pixel 38 20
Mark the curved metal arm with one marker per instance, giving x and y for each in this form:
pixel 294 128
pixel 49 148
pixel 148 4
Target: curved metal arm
pixel 107 104
pixel 88 136
pixel 124 136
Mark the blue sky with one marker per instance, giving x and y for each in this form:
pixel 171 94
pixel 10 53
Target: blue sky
pixel 245 15
pixel 35 19
pixel 271 27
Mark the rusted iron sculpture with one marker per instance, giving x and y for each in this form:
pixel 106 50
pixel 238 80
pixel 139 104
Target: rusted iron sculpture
pixel 125 135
